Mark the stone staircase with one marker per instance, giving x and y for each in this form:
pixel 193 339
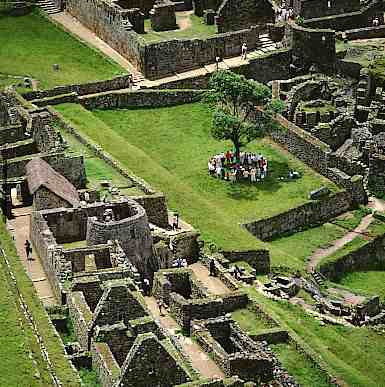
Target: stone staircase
pixel 48 6
pixel 265 45
pixel 318 278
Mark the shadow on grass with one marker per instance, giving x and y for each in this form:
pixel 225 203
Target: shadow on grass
pixel 245 190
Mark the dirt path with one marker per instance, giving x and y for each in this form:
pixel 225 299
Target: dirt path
pixel 213 284
pixel 20 230
pixel 183 20
pixel 72 25
pixel 199 359
pixel 375 204
pixel 324 252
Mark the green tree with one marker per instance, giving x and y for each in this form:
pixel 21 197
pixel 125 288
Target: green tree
pixel 242 108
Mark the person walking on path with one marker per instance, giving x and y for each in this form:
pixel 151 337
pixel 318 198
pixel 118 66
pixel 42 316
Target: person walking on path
pixel 212 268
pixel 244 51
pixel 28 250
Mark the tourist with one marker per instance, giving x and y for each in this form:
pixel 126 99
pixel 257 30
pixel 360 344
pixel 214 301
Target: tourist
pixel 211 166
pixel 212 268
pixel 146 287
pixel 253 175
pixel 28 250
pixel 160 306
pixel 175 222
pixel 244 51
pixel 375 22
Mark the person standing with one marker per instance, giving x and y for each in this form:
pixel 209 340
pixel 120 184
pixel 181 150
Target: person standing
pixel 28 250
pixel 244 51
pixel 212 268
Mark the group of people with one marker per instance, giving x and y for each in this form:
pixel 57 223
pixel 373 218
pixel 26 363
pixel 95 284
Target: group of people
pixel 284 14
pixel 250 167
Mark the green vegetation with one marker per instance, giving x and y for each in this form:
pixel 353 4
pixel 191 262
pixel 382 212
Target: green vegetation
pixel 15 347
pixel 350 220
pixel 30 45
pixel 365 282
pixel 302 369
pixel 98 171
pixel 190 26
pixel 355 356
pixel 89 378
pixel 169 147
pixel 293 250
pixel 250 321
pixel 232 99
pixel 74 245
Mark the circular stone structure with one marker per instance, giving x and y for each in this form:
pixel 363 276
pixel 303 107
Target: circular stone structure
pixel 132 231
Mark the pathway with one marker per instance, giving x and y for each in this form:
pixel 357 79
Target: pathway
pixel 199 359
pixel 321 253
pixel 72 25
pixel 375 204
pixel 19 227
pixel 213 284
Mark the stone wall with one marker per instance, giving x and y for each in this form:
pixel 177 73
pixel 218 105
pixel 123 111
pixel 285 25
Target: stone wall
pixel 104 363
pixel 271 66
pixel 376 179
pixel 140 98
pixel 156 208
pixel 234 15
pixel 349 20
pixel 257 259
pixel 312 46
pixel 310 9
pixel 369 257
pixel 121 82
pixel 110 24
pixel 366 33
pixel 81 317
pixel 311 213
pixel 44 199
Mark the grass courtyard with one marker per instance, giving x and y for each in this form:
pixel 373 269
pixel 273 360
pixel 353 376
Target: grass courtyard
pixel 170 147
pixel 190 27
pixel 30 45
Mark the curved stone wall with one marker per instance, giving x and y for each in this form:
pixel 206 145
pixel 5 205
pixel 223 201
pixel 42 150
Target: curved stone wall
pixel 132 232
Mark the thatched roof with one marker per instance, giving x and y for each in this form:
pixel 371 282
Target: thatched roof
pixel 41 174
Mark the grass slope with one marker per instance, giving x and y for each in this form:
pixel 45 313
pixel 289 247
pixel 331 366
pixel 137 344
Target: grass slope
pixel 366 282
pixel 15 365
pixel 169 147
pixel 356 356
pixel 30 45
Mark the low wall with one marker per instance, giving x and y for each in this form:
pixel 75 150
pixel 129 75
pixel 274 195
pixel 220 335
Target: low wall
pixel 140 98
pixel 257 259
pixel 122 82
pixel 369 257
pixel 366 33
pixel 272 336
pixel 349 69
pixel 311 213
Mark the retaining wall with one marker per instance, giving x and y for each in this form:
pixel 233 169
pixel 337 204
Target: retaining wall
pixel 311 213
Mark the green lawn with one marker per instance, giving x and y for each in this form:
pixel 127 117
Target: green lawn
pixel 98 170
pixel 30 45
pixel 17 340
pixel 195 29
pixel 302 369
pixel 355 356
pixel 366 282
pixel 169 147
pixel 250 322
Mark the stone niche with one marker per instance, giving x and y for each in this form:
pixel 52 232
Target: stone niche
pixel 163 16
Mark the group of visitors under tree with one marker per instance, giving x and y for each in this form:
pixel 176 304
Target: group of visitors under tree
pixel 249 167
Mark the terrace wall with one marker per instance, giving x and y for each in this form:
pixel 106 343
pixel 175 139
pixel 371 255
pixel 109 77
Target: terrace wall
pixel 141 98
pixel 311 213
pixel 370 256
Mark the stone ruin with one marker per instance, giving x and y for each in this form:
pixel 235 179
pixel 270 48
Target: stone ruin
pixel 127 346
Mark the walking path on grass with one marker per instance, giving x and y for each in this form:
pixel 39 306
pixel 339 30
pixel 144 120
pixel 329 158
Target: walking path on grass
pixel 199 359
pixel 19 227
pixel 72 25
pixel 318 255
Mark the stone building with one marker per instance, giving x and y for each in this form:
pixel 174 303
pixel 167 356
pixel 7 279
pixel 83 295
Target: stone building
pixel 49 188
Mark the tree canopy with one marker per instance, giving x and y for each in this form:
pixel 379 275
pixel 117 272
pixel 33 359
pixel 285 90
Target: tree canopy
pixel 234 100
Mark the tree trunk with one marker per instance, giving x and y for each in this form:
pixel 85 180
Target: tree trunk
pixel 237 150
